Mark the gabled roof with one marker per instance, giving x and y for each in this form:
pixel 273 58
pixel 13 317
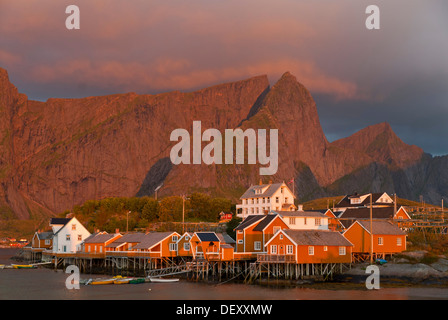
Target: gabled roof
pixel 265 222
pixel 128 237
pixel 345 202
pixel 207 236
pixel 149 240
pixel 351 214
pixel 316 238
pixel 251 219
pixel 271 189
pixel 225 238
pixel 100 238
pixel 379 227
pixel 45 235
pixel 59 221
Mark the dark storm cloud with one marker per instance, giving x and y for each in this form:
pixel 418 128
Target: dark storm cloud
pixel 358 77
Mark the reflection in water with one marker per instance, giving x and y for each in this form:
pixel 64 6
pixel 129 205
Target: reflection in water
pixel 49 284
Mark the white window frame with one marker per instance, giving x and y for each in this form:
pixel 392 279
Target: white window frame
pixel 273 249
pixel 380 241
pixel 311 250
pixel 289 249
pixel 187 246
pixel 342 251
pixel 257 245
pixel 173 247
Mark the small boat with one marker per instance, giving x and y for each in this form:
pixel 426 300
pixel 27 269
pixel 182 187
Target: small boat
pixel 381 261
pixel 23 266
pixel 155 279
pixel 137 281
pixel 102 281
pixel 122 280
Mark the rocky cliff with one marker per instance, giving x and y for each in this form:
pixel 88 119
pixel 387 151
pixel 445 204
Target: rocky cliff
pixel 59 153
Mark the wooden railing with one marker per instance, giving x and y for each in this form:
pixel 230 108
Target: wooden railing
pixel 275 258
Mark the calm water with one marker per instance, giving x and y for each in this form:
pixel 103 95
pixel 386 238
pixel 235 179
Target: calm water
pixel 41 283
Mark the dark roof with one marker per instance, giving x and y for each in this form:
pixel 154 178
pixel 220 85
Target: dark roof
pixel 264 222
pixel 45 235
pixel 345 202
pixel 249 220
pixel 207 236
pixel 351 214
pixel 62 221
pixel 225 238
pixel 317 237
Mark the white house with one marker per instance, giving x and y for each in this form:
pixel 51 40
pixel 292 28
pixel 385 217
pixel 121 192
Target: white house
pixel 68 237
pixel 304 220
pixel 263 198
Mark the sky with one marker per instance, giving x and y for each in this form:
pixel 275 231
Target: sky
pixel 358 77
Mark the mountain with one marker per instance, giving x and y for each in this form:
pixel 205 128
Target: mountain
pixel 59 153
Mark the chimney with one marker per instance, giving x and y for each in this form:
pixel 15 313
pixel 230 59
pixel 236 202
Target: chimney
pixel 261 182
pixel 300 207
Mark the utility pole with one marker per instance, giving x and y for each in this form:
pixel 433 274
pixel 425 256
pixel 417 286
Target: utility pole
pixel 183 214
pixel 371 228
pixel 127 220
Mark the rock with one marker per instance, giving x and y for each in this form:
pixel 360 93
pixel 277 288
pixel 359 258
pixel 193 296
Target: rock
pixel 415 254
pixel 441 265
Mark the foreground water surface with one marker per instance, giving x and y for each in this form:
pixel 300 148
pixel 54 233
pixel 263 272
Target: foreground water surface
pixel 43 284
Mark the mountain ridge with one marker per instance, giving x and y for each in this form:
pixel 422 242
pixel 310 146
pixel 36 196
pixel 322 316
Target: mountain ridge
pixel 59 153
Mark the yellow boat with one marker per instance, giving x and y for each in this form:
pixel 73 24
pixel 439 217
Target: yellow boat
pixel 23 266
pixel 102 281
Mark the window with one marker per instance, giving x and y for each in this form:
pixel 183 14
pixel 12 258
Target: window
pixel 187 246
pixel 257 245
pixel 286 199
pixel 73 226
pixel 311 251
pixel 240 241
pixel 264 200
pixel 304 221
pixel 239 231
pixel 187 238
pixel 292 220
pixel 79 237
pixel 281 237
pixel 399 241
pixel 273 249
pixel 64 248
pixel 174 238
pixel 277 200
pixel 342 251
pixel 276 229
pixel 173 246
pixel 268 200
pixel 380 241
pixel 47 242
pixel 325 248
pixel 289 249
pixel 317 222
pixel 67 237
